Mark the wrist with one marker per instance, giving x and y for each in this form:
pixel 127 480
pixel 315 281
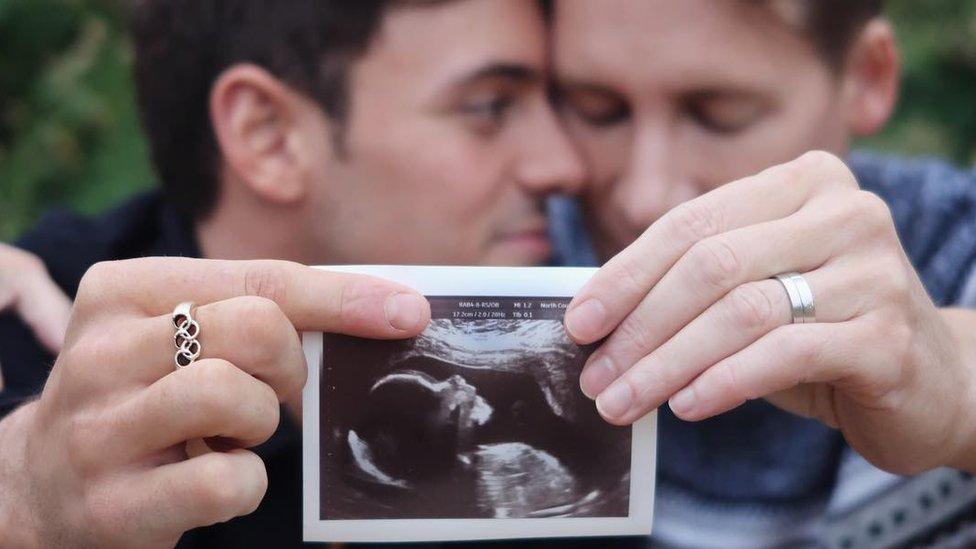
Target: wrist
pixel 963 456
pixel 962 429
pixel 17 525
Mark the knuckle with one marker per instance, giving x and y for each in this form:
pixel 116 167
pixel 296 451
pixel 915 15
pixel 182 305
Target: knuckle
pixel 258 309
pixel 637 383
pixel 828 165
pixel 844 211
pixel 909 349
pixel 900 340
pixel 338 307
pixel 253 495
pixel 213 372
pixel 807 348
pixel 94 283
pixel 105 278
pixel 213 378
pixel 728 382
pixel 260 417
pixel 905 285
pixel 267 419
pixel 751 307
pixel 218 398
pixel 896 287
pixel 693 221
pixel 646 378
pixel 648 384
pixel 629 274
pixel 219 491
pixel 634 336
pixel 874 213
pixel 297 374
pixel 98 272
pixel 94 346
pixel 816 158
pixel 266 279
pixel 264 327
pixel 714 263
pixel 900 285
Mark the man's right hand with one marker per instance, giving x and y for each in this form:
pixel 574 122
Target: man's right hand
pixel 103 459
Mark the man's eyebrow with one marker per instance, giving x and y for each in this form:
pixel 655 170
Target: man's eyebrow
pixel 581 85
pixel 705 90
pixel 507 71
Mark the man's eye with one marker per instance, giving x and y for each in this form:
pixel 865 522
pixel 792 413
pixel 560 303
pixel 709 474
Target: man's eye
pixel 725 117
pixel 489 110
pixel 486 117
pixel 597 111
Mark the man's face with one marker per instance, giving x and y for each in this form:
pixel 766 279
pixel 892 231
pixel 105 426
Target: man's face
pixel 669 100
pixel 450 143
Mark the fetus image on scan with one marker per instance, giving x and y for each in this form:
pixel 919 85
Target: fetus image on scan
pixel 481 416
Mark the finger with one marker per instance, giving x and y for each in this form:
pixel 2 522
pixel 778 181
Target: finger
pixel 252 333
pixel 210 398
pixel 743 317
pixel 786 358
pixel 46 309
pixel 713 267
pixel 843 289
pixel 161 504
pixel 746 314
pixel 312 299
pixel 15 266
pixel 38 301
pixel 773 194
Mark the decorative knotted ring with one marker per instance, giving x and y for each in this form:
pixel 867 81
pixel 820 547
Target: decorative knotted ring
pixel 801 297
pixel 187 331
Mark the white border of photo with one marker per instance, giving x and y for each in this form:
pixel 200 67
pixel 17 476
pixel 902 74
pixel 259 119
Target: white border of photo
pixel 475 282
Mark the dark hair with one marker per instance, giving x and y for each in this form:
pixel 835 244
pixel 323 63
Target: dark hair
pixel 832 25
pixel 182 46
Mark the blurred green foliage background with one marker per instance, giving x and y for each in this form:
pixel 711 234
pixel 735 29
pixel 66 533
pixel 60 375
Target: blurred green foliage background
pixel 69 132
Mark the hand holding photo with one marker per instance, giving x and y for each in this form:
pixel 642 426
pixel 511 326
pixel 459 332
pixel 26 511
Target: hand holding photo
pixel 476 429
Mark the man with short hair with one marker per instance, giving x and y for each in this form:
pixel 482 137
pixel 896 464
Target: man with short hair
pixel 321 133
pixel 672 101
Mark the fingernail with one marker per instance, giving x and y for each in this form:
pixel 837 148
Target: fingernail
pixel 615 401
pixel 597 376
pixel 403 310
pixel 683 403
pixel 586 321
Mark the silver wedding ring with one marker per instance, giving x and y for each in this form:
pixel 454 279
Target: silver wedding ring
pixel 801 297
pixel 188 347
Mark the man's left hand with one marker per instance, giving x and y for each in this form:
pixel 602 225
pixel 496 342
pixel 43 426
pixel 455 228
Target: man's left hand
pixel 692 318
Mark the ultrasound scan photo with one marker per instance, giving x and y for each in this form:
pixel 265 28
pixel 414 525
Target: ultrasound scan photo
pixel 479 417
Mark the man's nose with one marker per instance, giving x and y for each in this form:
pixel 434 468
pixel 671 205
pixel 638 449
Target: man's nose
pixel 548 161
pixel 652 183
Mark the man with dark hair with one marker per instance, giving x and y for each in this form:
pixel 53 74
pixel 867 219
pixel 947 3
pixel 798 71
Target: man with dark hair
pixel 192 43
pixel 201 46
pixel 320 132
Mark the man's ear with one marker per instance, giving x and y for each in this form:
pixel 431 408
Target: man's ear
pixel 873 78
pixel 258 124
